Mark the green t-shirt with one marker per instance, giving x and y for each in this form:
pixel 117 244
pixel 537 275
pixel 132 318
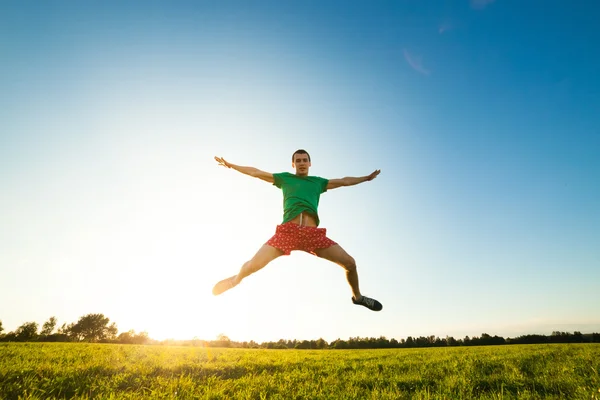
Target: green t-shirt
pixel 300 193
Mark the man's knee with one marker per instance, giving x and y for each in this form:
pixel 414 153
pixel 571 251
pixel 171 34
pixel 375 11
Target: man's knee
pixel 251 266
pixel 349 264
pixel 254 264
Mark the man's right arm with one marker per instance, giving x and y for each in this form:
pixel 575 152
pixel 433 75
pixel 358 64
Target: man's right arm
pixel 250 171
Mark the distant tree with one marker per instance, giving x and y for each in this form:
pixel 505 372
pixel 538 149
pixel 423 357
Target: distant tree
pixel 61 334
pixel 223 337
pixel 480 341
pixel 141 338
pixel 305 344
pixel 48 327
pixel 111 332
pixel 495 340
pixel 338 344
pixel 93 328
pixel 1 328
pixel 450 341
pixel 126 337
pixel 223 340
pixel 578 337
pixel 72 332
pixel 63 329
pixel 321 344
pixel 130 337
pixel 560 337
pixel 27 332
pixel 382 342
pixel 531 339
pixel 9 337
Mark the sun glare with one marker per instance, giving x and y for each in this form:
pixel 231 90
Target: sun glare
pixel 177 245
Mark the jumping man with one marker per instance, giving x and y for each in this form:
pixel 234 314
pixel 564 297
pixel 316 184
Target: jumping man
pixel 299 229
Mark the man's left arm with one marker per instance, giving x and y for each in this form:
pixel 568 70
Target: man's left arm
pixel 351 181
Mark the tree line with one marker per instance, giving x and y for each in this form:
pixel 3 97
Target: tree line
pixel 93 328
pixel 96 328
pixel 422 341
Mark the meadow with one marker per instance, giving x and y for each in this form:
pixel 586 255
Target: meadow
pixel 109 371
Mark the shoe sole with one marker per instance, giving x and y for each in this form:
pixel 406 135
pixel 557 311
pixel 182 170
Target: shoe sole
pixel 377 306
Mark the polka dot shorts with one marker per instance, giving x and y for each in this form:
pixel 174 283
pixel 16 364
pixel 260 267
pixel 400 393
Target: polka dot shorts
pixel 290 236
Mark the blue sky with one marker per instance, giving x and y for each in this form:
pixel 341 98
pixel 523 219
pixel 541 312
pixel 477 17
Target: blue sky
pixel 482 116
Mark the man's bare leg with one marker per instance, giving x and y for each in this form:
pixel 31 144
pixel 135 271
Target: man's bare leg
pixel 263 256
pixel 339 256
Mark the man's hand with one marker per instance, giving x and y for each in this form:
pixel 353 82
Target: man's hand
pixel 373 175
pixel 251 171
pixel 351 181
pixel 222 162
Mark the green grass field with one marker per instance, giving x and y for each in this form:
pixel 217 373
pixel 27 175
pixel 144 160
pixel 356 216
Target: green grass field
pixel 73 370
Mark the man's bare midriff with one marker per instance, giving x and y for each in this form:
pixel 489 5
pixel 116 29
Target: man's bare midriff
pixel 305 219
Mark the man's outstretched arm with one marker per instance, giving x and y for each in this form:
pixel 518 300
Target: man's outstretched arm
pixel 350 181
pixel 251 171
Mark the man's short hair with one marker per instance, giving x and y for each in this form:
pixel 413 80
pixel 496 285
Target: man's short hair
pixel 300 151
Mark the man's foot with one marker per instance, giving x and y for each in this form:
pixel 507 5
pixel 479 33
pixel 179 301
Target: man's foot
pixel 368 302
pixel 224 285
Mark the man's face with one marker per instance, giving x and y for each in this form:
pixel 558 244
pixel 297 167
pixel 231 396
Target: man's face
pixel 301 163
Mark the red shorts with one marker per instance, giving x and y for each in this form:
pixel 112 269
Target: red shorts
pixel 290 236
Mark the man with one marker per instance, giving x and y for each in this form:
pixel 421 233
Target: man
pixel 299 229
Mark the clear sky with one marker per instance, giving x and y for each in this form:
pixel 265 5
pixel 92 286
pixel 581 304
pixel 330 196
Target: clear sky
pixel 484 117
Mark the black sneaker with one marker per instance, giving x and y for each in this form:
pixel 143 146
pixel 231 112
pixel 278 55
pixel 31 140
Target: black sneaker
pixel 368 302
